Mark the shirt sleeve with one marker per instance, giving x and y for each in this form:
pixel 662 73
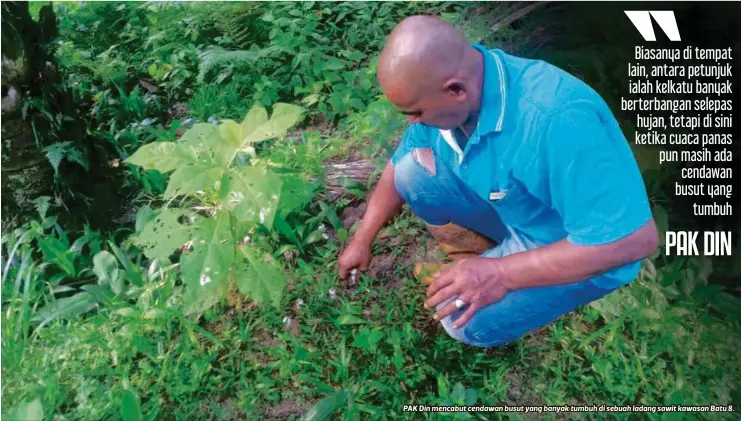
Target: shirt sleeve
pixel 414 137
pixel 593 180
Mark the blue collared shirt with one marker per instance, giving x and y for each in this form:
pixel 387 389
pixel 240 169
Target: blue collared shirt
pixel 549 156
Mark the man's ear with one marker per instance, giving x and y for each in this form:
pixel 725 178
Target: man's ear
pixel 456 87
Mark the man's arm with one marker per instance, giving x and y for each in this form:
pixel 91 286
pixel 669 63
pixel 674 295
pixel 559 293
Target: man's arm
pixel 563 262
pixel 384 204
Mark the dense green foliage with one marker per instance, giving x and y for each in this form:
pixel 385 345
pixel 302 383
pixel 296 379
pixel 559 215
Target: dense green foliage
pixel 182 264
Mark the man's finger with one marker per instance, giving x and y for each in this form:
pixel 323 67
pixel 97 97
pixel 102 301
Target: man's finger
pixel 343 272
pixel 450 308
pixel 448 292
pixel 466 316
pixel 441 280
pixel 445 311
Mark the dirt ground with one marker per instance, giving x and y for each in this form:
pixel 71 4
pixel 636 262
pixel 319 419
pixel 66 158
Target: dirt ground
pixel 399 252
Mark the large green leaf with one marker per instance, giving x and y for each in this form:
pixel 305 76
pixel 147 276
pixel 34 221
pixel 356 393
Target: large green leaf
pixel 206 268
pixel 230 139
pixel 199 134
pixel 231 132
pixel 193 178
pixel 295 193
pixel 255 118
pixel 168 231
pixel 253 194
pixel 68 306
pixel 144 215
pixel 333 63
pixel 106 269
pixel 205 141
pixel 130 409
pixel 162 156
pixel 283 118
pixel 260 280
pixel 324 409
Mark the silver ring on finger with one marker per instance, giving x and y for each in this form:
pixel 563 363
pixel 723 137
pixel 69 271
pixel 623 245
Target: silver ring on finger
pixel 459 304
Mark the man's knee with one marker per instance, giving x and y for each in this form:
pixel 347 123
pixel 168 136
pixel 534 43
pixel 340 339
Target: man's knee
pixel 425 158
pixel 469 335
pixel 412 170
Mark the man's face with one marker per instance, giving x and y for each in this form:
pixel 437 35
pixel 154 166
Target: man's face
pixel 437 107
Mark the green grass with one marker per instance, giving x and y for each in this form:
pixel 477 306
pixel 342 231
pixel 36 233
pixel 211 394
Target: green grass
pixel 374 340
pixel 219 102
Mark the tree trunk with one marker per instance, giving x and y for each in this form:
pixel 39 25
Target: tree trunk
pixel 25 173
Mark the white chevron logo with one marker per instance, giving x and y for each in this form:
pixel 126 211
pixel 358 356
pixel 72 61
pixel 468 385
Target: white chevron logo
pixel 665 18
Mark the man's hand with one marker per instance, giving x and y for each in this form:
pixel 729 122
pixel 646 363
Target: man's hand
pixel 477 281
pixel 356 256
pixel 385 202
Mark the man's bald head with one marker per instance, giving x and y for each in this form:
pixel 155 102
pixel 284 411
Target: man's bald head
pixel 423 55
pixel 422 47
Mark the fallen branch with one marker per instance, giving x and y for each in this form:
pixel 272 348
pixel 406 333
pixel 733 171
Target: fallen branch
pixel 341 175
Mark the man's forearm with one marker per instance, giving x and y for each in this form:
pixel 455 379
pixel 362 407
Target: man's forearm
pixel 563 262
pixel 384 204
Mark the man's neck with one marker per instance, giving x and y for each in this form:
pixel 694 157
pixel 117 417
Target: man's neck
pixel 469 125
pixel 465 130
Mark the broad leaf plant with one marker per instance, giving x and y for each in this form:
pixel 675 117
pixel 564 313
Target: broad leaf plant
pixel 223 194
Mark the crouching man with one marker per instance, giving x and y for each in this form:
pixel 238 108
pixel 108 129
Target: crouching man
pixel 521 173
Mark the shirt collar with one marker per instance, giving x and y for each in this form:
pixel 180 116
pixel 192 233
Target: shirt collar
pixel 494 92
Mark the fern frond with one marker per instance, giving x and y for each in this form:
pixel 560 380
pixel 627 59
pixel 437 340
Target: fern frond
pixel 242 24
pixel 216 58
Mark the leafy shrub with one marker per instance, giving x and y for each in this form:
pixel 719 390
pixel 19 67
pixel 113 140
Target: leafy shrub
pixel 225 194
